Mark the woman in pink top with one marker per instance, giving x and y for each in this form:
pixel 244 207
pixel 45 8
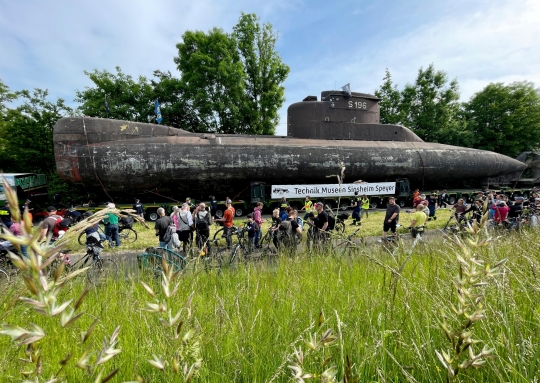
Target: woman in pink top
pixel 15 229
pixel 258 220
pixel 501 211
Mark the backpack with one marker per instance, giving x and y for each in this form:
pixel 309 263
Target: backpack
pixel 126 222
pixel 331 222
pixel 171 229
pixel 285 228
pixel 61 224
pixel 202 223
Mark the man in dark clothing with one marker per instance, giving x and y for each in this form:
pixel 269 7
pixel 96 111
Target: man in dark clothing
pixel 213 205
pixel 320 223
pixel 202 219
pixel 74 215
pixel 433 201
pixel 161 227
pixel 391 218
pixel 139 208
pixel 283 205
pixel 517 208
pixel 252 228
pixel 476 209
pixel 355 203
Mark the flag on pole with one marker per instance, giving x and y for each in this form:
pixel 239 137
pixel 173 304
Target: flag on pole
pixel 106 106
pixel 347 90
pixel 157 110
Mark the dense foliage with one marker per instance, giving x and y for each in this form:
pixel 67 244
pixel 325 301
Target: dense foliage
pixel 501 118
pixel 26 144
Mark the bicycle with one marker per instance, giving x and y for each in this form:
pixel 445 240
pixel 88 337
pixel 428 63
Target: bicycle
pixel 346 246
pixel 99 267
pixel 125 231
pixel 219 235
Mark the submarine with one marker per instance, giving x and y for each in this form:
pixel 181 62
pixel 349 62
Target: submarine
pixel 340 128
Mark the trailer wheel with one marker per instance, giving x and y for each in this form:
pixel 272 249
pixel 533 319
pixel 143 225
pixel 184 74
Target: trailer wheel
pixel 239 212
pixel 153 216
pixel 401 202
pixel 330 205
pixel 373 204
pixel 451 200
pixel 219 213
pixel 344 206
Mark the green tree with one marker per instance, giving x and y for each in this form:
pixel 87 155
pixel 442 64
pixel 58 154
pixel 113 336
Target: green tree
pixel 5 96
pixel 128 99
pixel 264 71
pixel 431 108
pixel 28 133
pixel 27 137
pixel 505 118
pixel 175 108
pixel 213 80
pixel 390 104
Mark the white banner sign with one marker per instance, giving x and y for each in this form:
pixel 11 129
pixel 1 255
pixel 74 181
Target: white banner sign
pixel 345 190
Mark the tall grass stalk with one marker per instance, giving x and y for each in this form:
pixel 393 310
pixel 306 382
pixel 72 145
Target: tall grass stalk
pixel 384 311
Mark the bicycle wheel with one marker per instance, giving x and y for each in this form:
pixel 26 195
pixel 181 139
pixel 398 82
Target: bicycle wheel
pixel 102 269
pixel 127 235
pixel 4 277
pixel 340 227
pixel 239 255
pixel 219 237
pixel 82 238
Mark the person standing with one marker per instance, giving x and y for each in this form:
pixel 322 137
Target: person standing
pixel 202 220
pixel 391 217
pixel 111 226
pixel 308 207
pixel 252 229
pixel 365 206
pixel 29 209
pixel 161 227
pixel 433 204
pixel 283 205
pixel 356 209
pixel 139 208
pixel 213 205
pixel 228 217
pixel 418 219
pixel 5 215
pixel 320 223
pixel 184 224
pixel 257 217
pixel 444 199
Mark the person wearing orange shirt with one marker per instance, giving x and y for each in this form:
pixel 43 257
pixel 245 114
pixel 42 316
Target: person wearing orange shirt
pixel 227 220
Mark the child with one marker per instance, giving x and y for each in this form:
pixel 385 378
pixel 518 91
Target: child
pixel 252 228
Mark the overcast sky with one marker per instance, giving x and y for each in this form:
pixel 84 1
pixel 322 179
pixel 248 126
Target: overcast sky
pixel 48 44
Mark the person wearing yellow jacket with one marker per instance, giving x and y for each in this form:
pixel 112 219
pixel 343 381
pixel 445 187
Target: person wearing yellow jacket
pixel 308 207
pixel 365 206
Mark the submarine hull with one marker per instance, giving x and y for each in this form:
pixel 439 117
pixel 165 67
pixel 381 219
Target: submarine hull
pixel 122 156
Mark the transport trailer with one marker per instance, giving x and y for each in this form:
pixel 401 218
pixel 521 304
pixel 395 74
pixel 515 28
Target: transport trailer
pixel 30 186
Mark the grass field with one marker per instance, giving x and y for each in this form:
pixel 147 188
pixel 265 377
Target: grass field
pixel 264 322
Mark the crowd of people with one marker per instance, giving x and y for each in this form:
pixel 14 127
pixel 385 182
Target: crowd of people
pixel 188 224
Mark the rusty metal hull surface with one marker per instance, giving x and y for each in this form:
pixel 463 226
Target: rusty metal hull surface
pixel 126 156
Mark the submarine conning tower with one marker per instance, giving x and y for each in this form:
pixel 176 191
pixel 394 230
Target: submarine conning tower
pixel 342 116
